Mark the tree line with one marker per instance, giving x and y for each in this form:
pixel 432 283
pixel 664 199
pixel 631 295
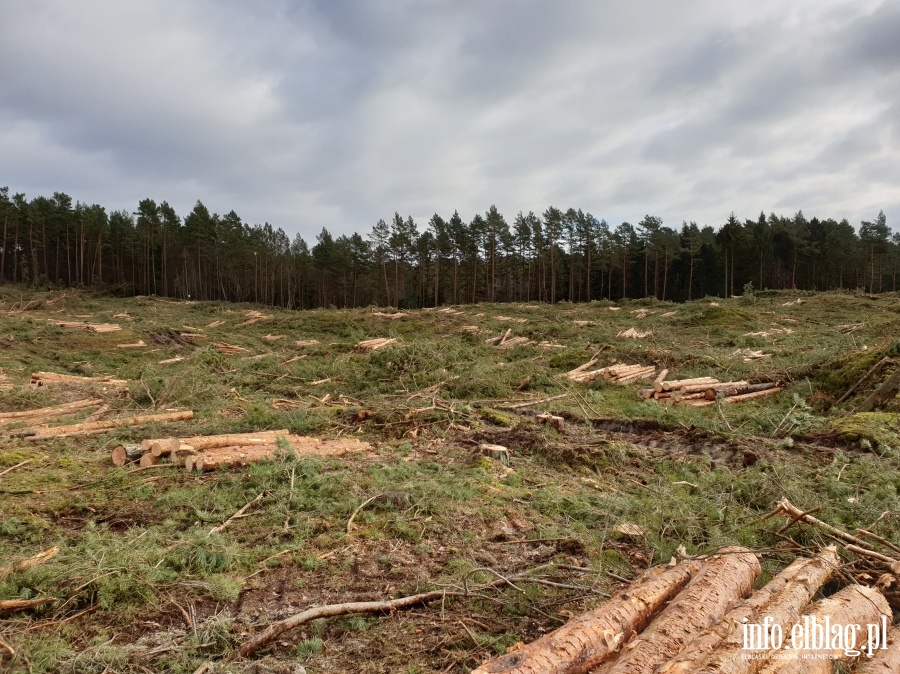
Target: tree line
pixel 558 255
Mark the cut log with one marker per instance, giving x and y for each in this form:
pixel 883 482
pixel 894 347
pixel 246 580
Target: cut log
pixel 596 636
pixel 15 605
pixel 168 361
pixel 676 384
pixel 720 649
pixel 581 368
pixel 101 426
pixel 140 344
pixel 854 605
pixel 203 442
pixel 163 447
pixel 884 661
pixel 702 388
pixel 46 413
pixel 660 378
pixel 28 562
pixel 90 327
pixel 123 454
pixel 722 580
pixel 147 459
pixel 223 457
pixel 44 378
pixel 726 391
pixel 514 342
pixel 755 394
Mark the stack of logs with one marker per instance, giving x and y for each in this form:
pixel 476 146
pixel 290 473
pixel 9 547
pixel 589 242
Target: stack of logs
pixel 691 617
pixel 618 373
pixel 90 327
pixel 369 345
pixel 230 349
pixel 704 391
pixel 209 452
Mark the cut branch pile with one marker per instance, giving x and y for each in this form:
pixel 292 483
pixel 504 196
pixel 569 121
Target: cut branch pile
pixel 90 327
pixel 390 317
pixel 44 414
pixel 749 355
pixel 703 391
pixel 95 427
pixel 304 343
pixel 690 617
pixel 39 379
pixel 618 373
pixel 369 345
pixel 230 349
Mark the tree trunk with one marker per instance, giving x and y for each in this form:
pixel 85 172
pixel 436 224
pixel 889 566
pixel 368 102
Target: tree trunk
pixel 595 637
pixel 721 581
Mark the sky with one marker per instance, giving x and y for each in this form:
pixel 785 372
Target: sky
pixel 335 113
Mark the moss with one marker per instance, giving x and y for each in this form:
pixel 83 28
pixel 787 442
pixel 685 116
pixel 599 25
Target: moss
pixel 881 430
pixel 497 417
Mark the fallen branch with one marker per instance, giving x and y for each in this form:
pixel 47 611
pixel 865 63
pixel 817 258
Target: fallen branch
pixel 16 605
pixel 278 628
pixel 12 468
pixel 358 509
pixel 239 514
pixel 28 562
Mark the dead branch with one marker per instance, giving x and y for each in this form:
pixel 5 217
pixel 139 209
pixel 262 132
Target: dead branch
pixel 28 562
pixel 239 514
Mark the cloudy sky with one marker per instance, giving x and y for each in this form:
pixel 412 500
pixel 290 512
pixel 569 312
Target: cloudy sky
pixel 339 112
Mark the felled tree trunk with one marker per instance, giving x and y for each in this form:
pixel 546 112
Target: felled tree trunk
pixel 593 638
pixel 723 580
pixel 854 605
pixel 885 661
pixel 720 650
pixel 122 454
pixel 100 426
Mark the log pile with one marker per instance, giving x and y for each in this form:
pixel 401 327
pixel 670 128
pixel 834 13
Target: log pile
pixel 618 373
pixel 369 345
pixel 209 452
pixel 504 341
pixel 39 379
pixel 691 617
pixel 230 349
pixel 704 391
pixel 90 327
pixel 254 316
pixel 390 317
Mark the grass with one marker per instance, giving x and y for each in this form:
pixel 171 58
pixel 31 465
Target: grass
pixel 135 548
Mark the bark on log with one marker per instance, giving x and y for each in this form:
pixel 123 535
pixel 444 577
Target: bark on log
pixel 886 661
pixel 720 650
pixel 882 394
pixel 101 426
pixel 247 454
pixel 713 391
pixel 15 605
pixel 854 605
pixel 596 636
pixel 722 580
pixel 581 368
pixel 122 454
